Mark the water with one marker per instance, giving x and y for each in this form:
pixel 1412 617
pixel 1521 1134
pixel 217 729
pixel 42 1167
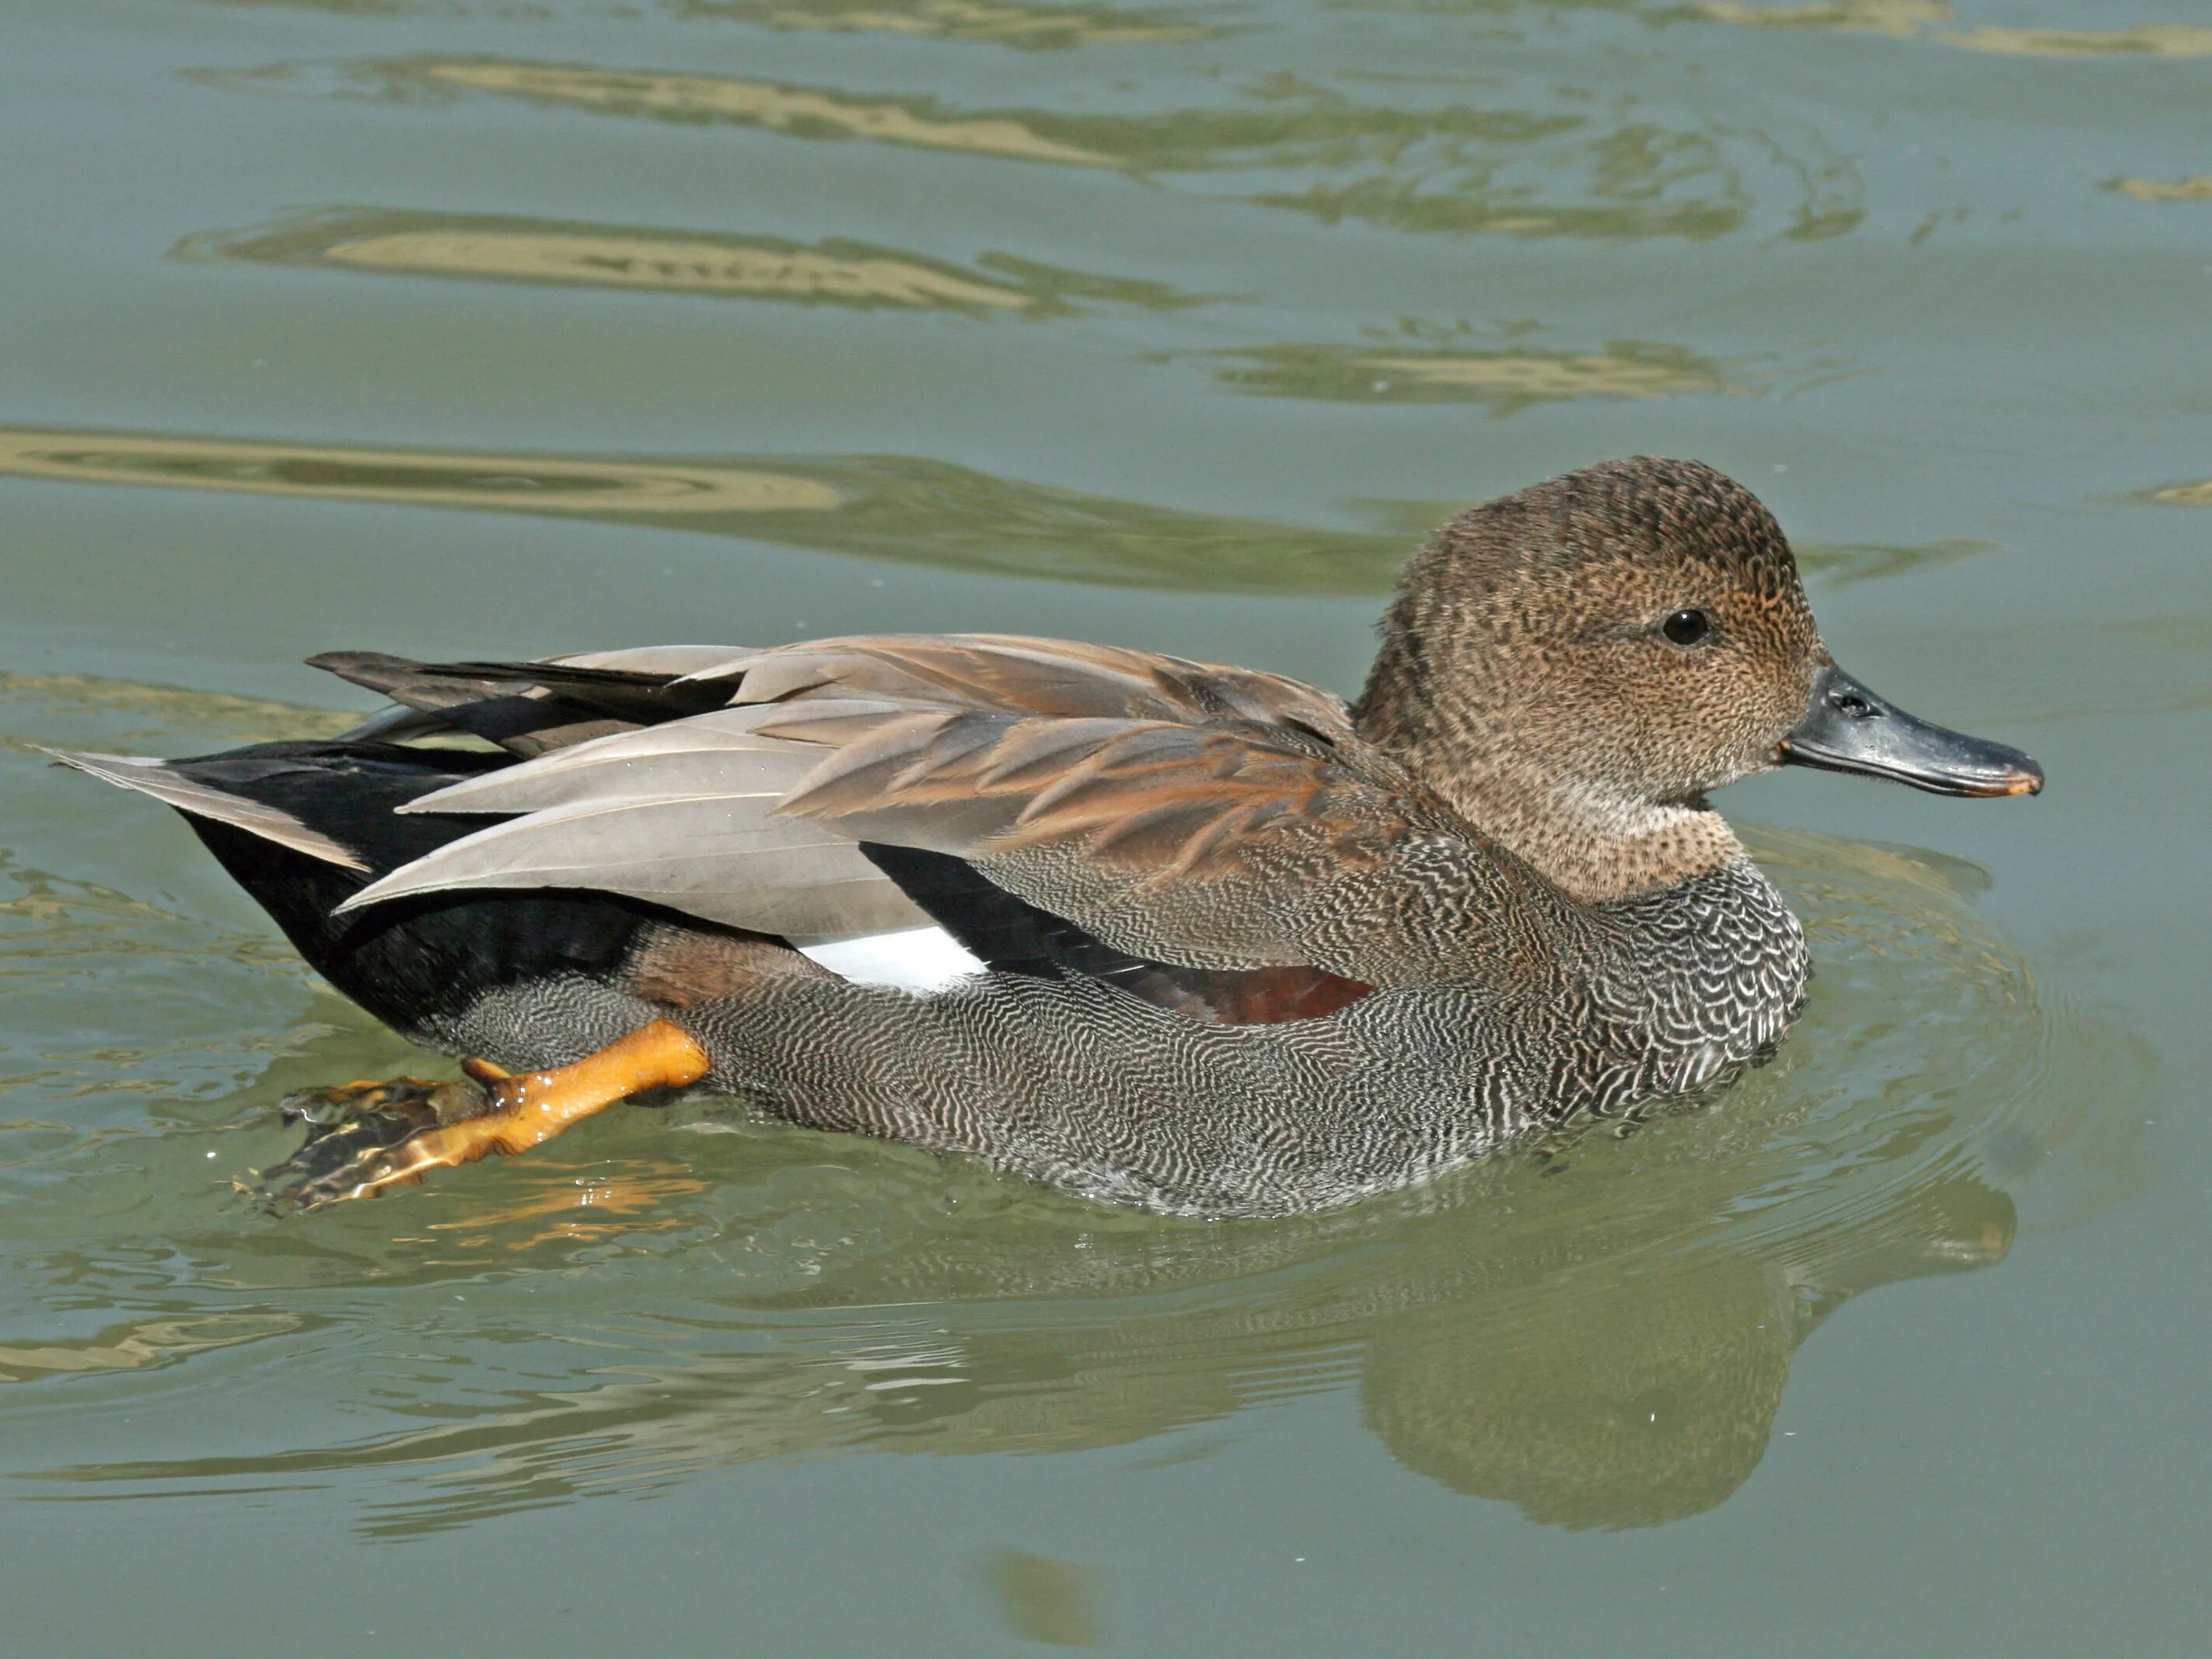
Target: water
pixel 480 329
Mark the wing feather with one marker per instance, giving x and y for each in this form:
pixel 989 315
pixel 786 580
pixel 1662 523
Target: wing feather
pixel 720 858
pixel 1157 801
pixel 709 754
pixel 675 661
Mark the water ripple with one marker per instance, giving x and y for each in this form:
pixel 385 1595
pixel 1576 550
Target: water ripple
pixel 1925 20
pixel 994 22
pixel 1579 163
pixel 569 253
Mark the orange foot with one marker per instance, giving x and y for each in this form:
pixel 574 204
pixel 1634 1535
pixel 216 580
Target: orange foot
pixel 374 1135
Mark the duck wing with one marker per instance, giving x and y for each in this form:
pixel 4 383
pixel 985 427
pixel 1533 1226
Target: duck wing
pixel 1168 811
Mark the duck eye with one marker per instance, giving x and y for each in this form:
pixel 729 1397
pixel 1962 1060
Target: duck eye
pixel 1686 627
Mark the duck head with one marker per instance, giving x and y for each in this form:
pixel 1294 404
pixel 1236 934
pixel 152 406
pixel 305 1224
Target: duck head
pixel 1574 667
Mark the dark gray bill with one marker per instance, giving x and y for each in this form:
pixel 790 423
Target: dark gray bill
pixel 1847 728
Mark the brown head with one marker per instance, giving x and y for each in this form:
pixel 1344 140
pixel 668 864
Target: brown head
pixel 1574 666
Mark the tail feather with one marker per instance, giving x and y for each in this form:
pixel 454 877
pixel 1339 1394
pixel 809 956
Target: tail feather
pixel 304 826
pixel 168 784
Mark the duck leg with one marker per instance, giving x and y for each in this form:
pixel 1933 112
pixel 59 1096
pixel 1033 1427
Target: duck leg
pixel 375 1135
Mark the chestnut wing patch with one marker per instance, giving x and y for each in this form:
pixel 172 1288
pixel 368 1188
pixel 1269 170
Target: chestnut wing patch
pixel 1153 797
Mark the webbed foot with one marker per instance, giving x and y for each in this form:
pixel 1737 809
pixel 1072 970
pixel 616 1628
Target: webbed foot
pixel 351 1129
pixel 366 1137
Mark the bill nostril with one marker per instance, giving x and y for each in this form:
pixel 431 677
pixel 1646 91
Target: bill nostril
pixel 1852 705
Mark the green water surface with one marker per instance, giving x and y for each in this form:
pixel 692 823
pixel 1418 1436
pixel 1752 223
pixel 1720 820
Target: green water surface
pixel 493 327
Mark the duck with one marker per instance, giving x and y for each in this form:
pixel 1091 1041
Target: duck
pixel 1155 931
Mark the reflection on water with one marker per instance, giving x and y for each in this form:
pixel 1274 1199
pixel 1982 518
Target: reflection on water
pixel 997 23
pixel 661 261
pixel 883 506
pixel 1924 20
pixel 1401 160
pixel 611 489
pixel 1599 1334
pixel 137 712
pixel 917 511
pixel 639 1198
pixel 138 1344
pixel 1002 22
pixel 803 112
pixel 2147 39
pixel 992 20
pixel 2197 187
pixel 1507 380
pixel 344 8
pixel 172 990
pixel 1043 1599
pixel 1876 17
pixel 500 248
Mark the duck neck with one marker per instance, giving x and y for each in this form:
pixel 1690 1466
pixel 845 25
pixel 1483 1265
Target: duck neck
pixel 1595 844
pixel 1594 849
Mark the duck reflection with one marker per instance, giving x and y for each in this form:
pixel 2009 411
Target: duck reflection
pixel 1601 1380
pixel 1649 1395
pixel 1597 1332
pixel 1592 1376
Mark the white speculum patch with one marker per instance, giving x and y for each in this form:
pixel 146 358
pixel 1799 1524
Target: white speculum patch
pixel 914 959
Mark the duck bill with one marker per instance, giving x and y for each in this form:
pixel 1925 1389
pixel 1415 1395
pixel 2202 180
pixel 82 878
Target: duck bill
pixel 1847 728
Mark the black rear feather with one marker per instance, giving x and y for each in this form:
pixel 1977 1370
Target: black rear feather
pixel 526 707
pixel 411 959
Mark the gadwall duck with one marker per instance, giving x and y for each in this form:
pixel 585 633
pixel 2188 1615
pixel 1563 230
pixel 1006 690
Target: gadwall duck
pixel 1159 931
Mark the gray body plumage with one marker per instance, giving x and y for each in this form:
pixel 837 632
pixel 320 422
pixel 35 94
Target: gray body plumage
pixel 1072 1081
